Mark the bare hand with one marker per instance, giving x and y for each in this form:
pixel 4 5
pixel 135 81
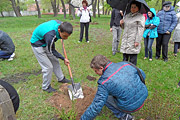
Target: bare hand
pixel 110 29
pixel 81 9
pixel 167 32
pixel 66 61
pixel 121 21
pixel 136 44
pixel 121 12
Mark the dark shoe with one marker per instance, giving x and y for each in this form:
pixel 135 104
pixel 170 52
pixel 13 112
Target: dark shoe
pixel 64 80
pixel 127 117
pixel 165 60
pixel 117 51
pixel 114 53
pixel 50 89
pixel 157 58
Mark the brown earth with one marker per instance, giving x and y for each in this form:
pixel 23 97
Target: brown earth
pixel 61 100
pixel 90 78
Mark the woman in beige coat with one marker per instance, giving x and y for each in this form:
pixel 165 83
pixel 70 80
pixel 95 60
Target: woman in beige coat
pixel 133 24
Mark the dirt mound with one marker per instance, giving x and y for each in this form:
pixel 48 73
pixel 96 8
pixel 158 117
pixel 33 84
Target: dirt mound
pixel 61 100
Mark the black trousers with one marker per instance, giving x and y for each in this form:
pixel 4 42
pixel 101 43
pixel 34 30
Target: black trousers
pixel 82 25
pixel 133 58
pixel 162 40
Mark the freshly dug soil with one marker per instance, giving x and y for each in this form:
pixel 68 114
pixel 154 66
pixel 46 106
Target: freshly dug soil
pixel 90 78
pixel 61 100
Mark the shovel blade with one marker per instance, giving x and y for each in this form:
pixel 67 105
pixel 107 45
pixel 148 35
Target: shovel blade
pixel 76 92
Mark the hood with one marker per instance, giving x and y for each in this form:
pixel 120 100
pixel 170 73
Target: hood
pixel 153 11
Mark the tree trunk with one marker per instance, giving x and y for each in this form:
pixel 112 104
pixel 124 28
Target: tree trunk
pixel 109 12
pixel 64 8
pixel 18 7
pixel 53 3
pixel 162 3
pixel 38 9
pixel 98 9
pixel 2 14
pixel 72 11
pixel 17 12
pixel 94 8
pixel 103 6
pixel 175 1
pixel 106 12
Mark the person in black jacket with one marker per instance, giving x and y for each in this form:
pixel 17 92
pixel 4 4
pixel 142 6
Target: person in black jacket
pixel 116 16
pixel 12 93
pixel 7 47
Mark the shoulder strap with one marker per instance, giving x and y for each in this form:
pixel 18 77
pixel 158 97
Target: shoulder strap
pixel 139 72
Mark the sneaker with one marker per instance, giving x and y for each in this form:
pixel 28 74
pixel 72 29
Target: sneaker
pixel 145 58
pixel 50 89
pixel 10 59
pixel 64 80
pixel 127 117
pixel 12 55
pixel 150 59
pixel 87 41
pixel 79 41
pixel 175 55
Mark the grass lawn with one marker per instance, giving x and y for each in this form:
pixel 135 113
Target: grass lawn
pixel 161 78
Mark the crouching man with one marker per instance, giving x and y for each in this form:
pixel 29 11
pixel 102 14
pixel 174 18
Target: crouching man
pixel 119 88
pixel 7 47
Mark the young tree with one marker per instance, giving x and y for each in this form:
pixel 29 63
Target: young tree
pixel 103 6
pixel 175 1
pixel 94 8
pixel 16 8
pixel 64 8
pixel 5 6
pixel 55 7
pixel 38 9
pixel 98 8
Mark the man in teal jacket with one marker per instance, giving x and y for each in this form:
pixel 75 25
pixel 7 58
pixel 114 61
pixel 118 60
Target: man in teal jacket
pixel 119 88
pixel 43 45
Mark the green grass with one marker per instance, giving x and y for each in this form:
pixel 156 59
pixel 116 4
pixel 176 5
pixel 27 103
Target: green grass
pixel 161 78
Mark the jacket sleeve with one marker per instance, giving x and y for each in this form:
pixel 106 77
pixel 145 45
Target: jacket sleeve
pixel 112 18
pixel 140 29
pixel 55 53
pixel 79 13
pixel 174 22
pixel 50 39
pixel 96 106
pixel 156 22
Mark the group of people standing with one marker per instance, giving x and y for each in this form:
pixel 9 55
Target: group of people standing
pixel 136 27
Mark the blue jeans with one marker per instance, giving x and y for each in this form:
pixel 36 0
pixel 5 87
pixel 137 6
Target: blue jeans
pixel 4 55
pixel 112 105
pixel 176 47
pixel 148 42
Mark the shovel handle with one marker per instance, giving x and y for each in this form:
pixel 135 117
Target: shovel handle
pixel 69 68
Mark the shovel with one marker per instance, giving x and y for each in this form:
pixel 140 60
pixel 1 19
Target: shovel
pixel 74 90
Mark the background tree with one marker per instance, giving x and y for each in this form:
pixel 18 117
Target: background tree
pixel 38 9
pixel 55 7
pixel 98 8
pixel 5 6
pixel 103 7
pixel 16 8
pixel 94 8
pixel 64 8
